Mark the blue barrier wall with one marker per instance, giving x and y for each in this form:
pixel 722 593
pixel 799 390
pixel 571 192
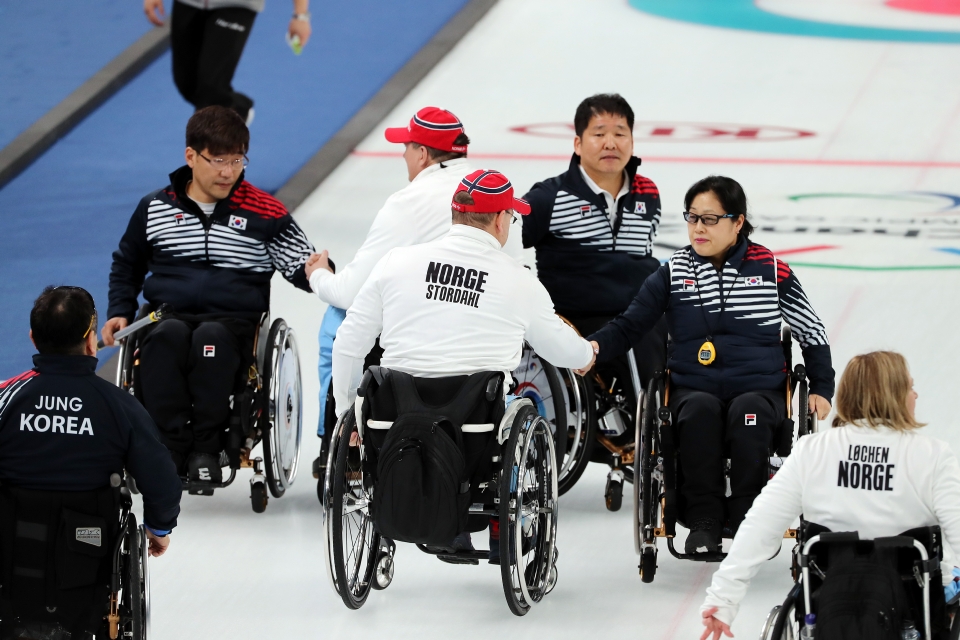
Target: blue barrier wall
pixel 65 214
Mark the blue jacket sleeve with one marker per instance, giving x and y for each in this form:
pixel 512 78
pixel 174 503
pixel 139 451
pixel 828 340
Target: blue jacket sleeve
pixel 536 225
pixel 130 265
pixel 150 464
pixel 651 302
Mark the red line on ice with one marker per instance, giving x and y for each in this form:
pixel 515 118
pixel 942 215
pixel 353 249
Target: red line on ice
pixel 819 247
pixel 893 164
pixel 696 587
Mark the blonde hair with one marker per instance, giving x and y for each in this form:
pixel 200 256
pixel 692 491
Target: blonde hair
pixel 873 392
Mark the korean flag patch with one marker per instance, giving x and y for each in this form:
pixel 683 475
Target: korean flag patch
pixel 236 222
pixel 209 350
pixel 750 419
pixel 689 285
pixel 754 281
pixel 641 207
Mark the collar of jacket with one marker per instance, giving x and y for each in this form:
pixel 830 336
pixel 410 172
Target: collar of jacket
pixel 580 188
pixel 178 183
pixel 734 256
pixel 481 236
pixel 65 365
pixel 438 166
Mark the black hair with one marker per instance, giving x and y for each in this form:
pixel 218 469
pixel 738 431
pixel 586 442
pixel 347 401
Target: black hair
pixel 603 103
pixel 219 130
pixel 61 318
pixel 439 155
pixel 730 194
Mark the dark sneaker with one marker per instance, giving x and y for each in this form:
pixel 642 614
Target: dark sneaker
pixel 205 467
pixel 462 542
pixel 704 536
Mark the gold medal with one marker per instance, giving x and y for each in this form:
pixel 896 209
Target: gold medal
pixel 707 354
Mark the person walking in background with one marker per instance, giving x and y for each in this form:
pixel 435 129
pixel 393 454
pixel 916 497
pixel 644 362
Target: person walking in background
pixel 207 39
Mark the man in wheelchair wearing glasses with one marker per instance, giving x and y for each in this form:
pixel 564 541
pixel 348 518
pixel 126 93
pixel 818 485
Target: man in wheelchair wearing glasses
pixel 210 242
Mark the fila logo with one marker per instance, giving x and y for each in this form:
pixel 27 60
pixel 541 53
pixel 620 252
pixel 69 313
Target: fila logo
pixel 584 209
pixel 209 350
pixel 689 285
pixel 641 207
pixel 236 222
pixel 755 281
pixel 178 217
pixel 750 419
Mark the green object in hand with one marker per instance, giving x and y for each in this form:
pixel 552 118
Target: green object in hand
pixel 295 45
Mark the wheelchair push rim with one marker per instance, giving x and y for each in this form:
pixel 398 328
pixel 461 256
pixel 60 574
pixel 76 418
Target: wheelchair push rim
pixel 528 512
pixel 353 540
pixel 284 398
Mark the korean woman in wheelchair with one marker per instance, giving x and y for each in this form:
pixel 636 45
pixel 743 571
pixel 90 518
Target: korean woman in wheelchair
pixel 876 474
pixel 725 298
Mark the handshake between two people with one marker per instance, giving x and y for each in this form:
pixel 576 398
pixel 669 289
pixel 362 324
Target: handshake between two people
pixel 584 370
pixel 318 261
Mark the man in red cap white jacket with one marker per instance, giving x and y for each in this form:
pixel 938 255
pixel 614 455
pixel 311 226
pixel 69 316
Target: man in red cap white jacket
pixel 435 150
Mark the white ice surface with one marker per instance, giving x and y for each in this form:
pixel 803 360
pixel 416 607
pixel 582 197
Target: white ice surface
pixel 233 574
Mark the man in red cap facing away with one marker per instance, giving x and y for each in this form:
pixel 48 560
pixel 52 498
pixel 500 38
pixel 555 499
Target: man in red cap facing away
pixel 435 152
pixel 455 306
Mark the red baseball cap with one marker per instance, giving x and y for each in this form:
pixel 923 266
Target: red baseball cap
pixel 492 193
pixel 432 127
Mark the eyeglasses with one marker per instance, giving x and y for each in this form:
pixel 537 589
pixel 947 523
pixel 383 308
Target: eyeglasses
pixel 220 163
pixel 514 217
pixel 708 220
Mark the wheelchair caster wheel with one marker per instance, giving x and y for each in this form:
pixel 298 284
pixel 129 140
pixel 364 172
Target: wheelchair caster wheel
pixel 383 575
pixel 258 497
pixel 551 581
pixel 614 491
pixel 648 565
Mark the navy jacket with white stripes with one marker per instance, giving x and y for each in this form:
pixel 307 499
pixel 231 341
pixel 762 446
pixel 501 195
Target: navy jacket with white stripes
pixel 590 266
pixel 219 266
pixel 742 316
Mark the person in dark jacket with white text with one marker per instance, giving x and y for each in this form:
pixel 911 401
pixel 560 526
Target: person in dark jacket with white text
pixel 210 243
pixel 725 299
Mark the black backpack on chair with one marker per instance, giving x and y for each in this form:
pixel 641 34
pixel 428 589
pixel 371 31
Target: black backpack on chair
pixel 861 598
pixel 423 490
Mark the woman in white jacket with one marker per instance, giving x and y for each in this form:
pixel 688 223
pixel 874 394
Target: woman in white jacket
pixel 876 474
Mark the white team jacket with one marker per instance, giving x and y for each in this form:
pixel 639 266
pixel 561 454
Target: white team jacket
pixel 879 482
pixel 455 306
pixel 418 213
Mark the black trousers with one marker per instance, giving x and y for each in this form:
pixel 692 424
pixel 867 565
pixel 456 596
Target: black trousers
pixel 206 47
pixel 712 430
pixel 188 372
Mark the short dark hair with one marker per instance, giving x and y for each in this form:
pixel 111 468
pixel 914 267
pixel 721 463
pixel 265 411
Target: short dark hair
pixel 60 320
pixel 439 155
pixel 603 103
pixel 469 218
pixel 219 130
pixel 730 194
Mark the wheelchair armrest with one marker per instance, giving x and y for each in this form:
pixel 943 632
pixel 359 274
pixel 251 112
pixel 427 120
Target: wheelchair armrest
pixel 892 542
pixel 843 536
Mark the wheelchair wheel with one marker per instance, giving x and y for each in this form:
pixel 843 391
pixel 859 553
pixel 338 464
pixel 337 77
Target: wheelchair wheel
pixel 283 403
pixel 581 429
pixel 540 382
pixel 135 583
pixel 353 544
pixel 646 487
pixel 782 622
pixel 528 511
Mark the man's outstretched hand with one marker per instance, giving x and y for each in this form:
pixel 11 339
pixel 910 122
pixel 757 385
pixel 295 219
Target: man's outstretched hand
pixel 596 350
pixel 714 628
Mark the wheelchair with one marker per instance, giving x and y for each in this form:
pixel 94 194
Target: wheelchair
pixel 58 586
pixel 656 466
pixel 914 555
pixel 590 412
pixel 266 407
pixel 507 453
